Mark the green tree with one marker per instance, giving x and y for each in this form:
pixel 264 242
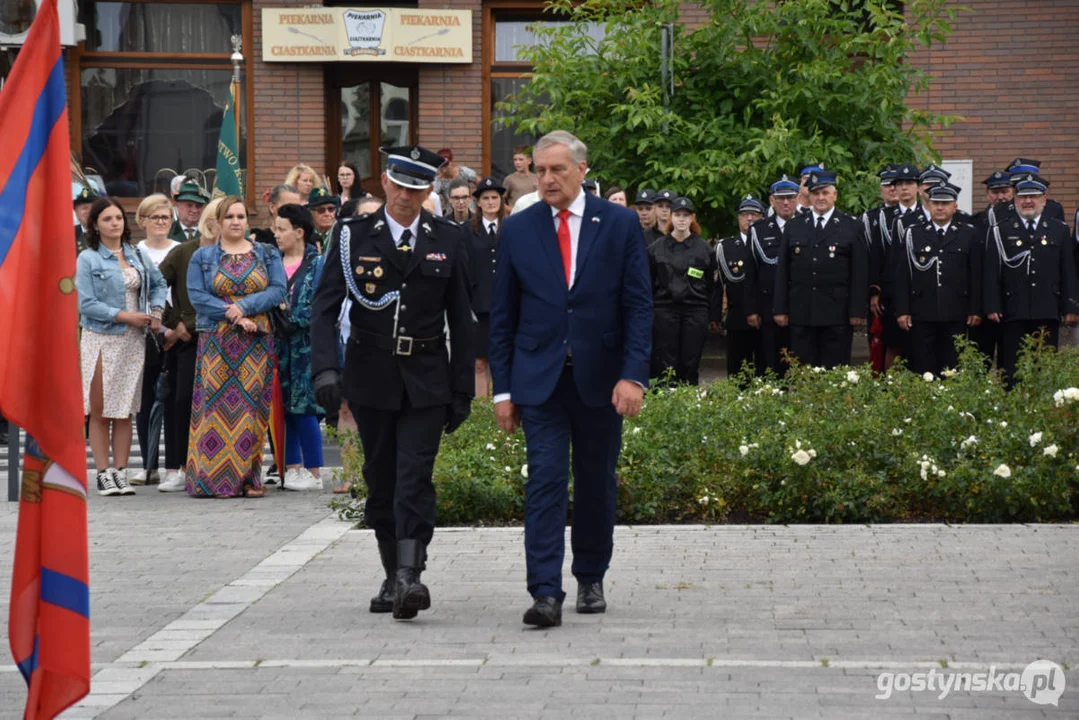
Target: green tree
pixel 762 89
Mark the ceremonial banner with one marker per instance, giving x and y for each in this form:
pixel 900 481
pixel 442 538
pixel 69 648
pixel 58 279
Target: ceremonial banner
pixel 40 386
pixel 229 176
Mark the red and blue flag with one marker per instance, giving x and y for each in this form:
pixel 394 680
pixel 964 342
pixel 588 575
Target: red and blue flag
pixel 40 386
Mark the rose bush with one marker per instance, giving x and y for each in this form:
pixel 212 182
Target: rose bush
pixel 819 446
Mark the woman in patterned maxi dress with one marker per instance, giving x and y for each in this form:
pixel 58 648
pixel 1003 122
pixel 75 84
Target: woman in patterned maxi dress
pixel 232 286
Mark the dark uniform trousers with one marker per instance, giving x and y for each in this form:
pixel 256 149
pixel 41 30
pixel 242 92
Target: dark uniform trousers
pixel 941 297
pixel 399 389
pixel 1031 294
pixel 683 286
pixel 771 339
pixel 736 275
pixel 822 280
pixel 180 368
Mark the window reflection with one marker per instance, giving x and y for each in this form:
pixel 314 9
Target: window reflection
pixel 504 139
pixel 356 127
pixel 396 115
pixel 513 35
pixel 159 27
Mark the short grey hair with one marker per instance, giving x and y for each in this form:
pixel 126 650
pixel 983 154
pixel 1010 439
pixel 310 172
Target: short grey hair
pixel 577 149
pixel 275 193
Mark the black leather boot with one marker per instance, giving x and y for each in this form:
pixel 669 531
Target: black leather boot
pixel 411 595
pixel 383 601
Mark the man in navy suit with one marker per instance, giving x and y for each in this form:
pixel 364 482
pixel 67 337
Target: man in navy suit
pixel 570 342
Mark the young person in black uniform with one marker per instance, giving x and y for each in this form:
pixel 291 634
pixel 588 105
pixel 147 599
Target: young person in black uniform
pixel 486 226
pixel 822 279
pixel 646 212
pixel 406 273
pixel 938 283
pixel 876 223
pixel 734 261
pixel 885 256
pixel 765 236
pixel 1030 275
pixel 683 282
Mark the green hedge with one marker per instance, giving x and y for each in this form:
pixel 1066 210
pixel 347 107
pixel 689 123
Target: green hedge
pixel 820 446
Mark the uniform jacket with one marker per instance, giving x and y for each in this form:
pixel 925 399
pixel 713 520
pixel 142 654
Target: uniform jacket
pixel 605 317
pixel 950 289
pixel 99 281
pixel 683 273
pixel 822 278
pixel 209 308
pixel 1040 285
pixel 736 272
pixel 765 237
pixel 877 223
pixel 434 286
pixel 294 352
pixel 482 257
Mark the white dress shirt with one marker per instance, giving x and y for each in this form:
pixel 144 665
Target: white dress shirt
pixel 780 221
pixel 492 225
pixel 575 219
pixel 396 229
pixel 942 228
pixel 827 216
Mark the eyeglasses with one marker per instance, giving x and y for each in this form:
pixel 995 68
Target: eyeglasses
pixel 323 209
pixel 458 197
pixel 160 218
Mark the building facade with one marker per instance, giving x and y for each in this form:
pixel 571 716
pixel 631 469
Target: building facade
pixel 148 86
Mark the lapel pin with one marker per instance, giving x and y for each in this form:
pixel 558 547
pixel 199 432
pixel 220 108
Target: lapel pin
pixel 427 228
pixel 379 225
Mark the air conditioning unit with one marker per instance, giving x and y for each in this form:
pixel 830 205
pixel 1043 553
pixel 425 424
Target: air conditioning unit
pixel 13 29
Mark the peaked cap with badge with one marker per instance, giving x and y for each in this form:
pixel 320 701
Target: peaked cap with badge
pixel 86 196
pixel 412 166
pixel 646 196
pixel 322 196
pixel 488 183
pixel 750 203
pixel 998 180
pixel 785 186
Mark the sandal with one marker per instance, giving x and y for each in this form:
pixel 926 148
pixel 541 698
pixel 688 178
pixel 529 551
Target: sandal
pixel 343 489
pixel 250 491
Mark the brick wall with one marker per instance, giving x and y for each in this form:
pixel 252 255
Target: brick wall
pixel 289 115
pixel 451 96
pixel 1012 71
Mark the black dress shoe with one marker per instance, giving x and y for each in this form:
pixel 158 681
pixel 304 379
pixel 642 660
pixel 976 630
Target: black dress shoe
pixel 410 595
pixel 590 598
pixel 546 611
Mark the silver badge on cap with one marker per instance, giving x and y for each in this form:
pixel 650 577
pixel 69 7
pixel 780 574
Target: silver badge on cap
pixel 415 154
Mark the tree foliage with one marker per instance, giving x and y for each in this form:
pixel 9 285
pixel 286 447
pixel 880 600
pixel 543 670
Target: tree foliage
pixel 762 89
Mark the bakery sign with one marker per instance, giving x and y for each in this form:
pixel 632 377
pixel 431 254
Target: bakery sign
pixel 335 34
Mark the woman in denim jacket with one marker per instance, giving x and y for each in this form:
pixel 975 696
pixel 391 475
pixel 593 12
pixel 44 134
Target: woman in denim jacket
pixel 121 294
pixel 232 285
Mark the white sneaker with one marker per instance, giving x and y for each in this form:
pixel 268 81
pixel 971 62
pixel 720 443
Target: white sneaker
pixel 174 482
pixel 299 479
pixel 105 484
pixel 135 477
pixel 120 478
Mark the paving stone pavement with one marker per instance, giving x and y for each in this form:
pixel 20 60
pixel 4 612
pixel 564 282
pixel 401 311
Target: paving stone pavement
pixel 258 609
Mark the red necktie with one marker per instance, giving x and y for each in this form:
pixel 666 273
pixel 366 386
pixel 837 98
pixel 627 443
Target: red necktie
pixel 565 242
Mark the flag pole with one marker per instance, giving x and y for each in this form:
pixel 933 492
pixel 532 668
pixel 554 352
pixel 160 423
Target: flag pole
pixel 237 60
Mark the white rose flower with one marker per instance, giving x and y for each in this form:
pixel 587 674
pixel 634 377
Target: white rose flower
pixel 1003 471
pixel 812 453
pixel 949 373
pixel 1058 398
pixel 853 377
pixel 509 469
pixel 940 473
pixel 896 432
pixel 636 430
pixel 703 500
pixel 524 471
pixel 744 449
pixel 1035 439
pixel 818 369
pixel 968 443
pixel 801 457
pixel 1051 451
pixel 1071 394
pixel 1004 423
pixel 928 377
pixel 490 446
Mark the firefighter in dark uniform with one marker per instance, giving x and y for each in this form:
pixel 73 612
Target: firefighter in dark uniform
pixel 646 212
pixel 999 193
pixel 938 283
pixel 765 236
pixel 405 272
pixel 876 223
pixel 485 229
pixel 683 282
pixel 884 257
pixel 83 201
pixel 822 279
pixel 734 262
pixel 323 206
pixel 931 177
pixel 1025 166
pixel 1030 275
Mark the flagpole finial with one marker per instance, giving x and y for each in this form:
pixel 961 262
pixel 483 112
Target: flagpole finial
pixel 237 49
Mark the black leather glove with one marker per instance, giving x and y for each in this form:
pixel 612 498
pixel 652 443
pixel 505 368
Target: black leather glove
pixel 328 390
pixel 457 411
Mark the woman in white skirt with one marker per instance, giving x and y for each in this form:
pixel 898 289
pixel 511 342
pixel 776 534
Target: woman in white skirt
pixel 121 293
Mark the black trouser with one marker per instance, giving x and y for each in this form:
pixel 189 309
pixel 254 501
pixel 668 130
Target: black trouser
pixel 741 349
pixel 827 346
pixel 678 334
pixel 150 373
pixel 772 340
pixel 399 449
pixel 932 345
pixel 986 336
pixel 1011 341
pixel 180 366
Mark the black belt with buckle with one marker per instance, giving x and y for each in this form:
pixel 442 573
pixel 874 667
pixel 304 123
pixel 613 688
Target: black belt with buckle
pixel 400 345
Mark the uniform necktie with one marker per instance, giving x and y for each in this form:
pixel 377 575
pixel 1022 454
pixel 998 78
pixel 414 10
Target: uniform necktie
pixel 940 235
pixel 405 243
pixel 491 230
pixel 190 232
pixel 565 242
pixel 1030 226
pixel 820 223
